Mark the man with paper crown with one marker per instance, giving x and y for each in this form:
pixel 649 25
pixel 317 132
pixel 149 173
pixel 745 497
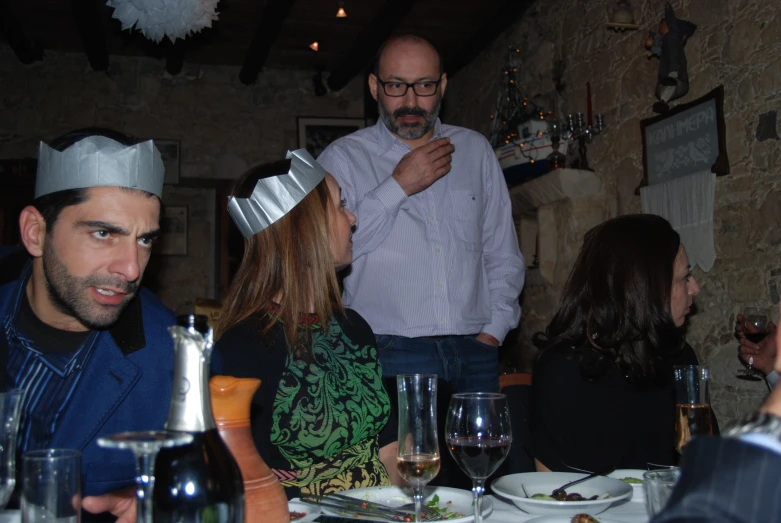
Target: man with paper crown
pixel 80 335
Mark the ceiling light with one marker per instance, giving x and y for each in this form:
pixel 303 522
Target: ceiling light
pixel 341 13
pixel 314 46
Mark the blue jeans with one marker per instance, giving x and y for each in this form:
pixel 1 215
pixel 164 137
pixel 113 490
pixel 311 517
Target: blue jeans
pixel 469 365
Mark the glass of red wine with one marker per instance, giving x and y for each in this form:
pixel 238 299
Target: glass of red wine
pixel 479 437
pixel 756 327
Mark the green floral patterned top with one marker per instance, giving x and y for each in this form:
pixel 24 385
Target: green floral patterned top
pixel 318 423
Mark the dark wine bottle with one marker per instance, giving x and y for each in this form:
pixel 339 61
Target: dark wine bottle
pixel 199 482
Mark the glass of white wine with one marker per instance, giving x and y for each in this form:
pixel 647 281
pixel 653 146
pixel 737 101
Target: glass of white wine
pixel 692 403
pixel 418 454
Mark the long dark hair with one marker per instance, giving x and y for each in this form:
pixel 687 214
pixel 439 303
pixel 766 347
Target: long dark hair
pixel 617 299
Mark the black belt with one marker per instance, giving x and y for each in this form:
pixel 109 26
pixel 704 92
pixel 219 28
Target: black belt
pixel 445 336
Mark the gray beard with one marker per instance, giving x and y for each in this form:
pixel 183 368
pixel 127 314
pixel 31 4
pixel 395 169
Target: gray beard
pixel 409 132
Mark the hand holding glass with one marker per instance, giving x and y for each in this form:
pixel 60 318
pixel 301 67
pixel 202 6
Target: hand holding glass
pixel 756 327
pixel 692 403
pixel 418 452
pixel 145 447
pixel 479 437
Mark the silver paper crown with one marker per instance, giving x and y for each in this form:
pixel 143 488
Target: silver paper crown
pixel 97 161
pixel 274 197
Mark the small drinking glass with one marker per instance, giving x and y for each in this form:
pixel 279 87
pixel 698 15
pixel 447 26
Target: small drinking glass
pixel 418 452
pixel 756 322
pixel 51 486
pixel 658 485
pixel 692 403
pixel 479 437
pixel 145 447
pixel 10 413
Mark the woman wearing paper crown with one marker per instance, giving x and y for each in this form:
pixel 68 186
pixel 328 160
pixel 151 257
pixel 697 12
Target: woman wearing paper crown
pixel 321 418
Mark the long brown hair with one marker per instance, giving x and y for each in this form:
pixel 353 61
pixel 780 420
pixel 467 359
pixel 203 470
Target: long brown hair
pixel 291 258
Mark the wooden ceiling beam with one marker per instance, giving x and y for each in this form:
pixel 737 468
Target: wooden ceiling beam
pixel 88 18
pixel 26 49
pixel 368 41
pixel 174 60
pixel 504 17
pixel 270 25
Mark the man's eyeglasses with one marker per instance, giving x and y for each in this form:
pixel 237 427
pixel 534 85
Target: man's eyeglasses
pixel 424 88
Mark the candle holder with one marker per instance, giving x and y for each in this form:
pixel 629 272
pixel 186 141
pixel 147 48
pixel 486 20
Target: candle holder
pixel 583 134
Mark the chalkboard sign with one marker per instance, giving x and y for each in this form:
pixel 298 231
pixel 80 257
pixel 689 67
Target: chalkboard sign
pixel 686 140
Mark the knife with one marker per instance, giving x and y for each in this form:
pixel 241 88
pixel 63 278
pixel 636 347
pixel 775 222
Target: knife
pixel 356 506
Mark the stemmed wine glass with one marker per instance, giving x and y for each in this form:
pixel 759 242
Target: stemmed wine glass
pixel 145 446
pixel 692 403
pixel 418 453
pixel 479 437
pixel 756 322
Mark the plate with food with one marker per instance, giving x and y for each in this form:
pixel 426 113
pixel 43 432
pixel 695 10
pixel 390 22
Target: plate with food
pixel 635 478
pixel 302 512
pixel 450 504
pixel 532 492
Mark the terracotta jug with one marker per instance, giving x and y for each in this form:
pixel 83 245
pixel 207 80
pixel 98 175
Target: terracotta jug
pixel 264 497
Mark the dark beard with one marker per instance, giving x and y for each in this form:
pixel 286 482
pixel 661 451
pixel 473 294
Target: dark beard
pixel 66 292
pixel 409 132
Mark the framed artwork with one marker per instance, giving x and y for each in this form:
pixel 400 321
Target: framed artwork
pixel 173 231
pixel 686 140
pixel 169 150
pixel 315 134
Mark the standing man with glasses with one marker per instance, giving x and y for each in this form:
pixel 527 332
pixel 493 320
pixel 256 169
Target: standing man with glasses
pixel 436 269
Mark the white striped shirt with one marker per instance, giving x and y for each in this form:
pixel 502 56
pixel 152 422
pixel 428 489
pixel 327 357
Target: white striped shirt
pixel 442 261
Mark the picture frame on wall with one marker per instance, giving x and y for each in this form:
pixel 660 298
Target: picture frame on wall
pixel 315 134
pixel 170 152
pixel 173 231
pixel 690 138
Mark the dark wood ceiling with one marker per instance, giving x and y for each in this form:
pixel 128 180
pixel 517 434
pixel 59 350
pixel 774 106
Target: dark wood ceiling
pixel 264 33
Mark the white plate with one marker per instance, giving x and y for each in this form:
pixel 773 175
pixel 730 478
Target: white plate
pixel 512 488
pixel 638 489
pixel 312 511
pixel 567 519
pixel 455 500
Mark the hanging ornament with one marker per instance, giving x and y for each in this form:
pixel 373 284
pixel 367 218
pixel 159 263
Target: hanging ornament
pixel 160 18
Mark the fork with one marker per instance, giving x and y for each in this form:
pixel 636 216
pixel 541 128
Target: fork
pixel 581 480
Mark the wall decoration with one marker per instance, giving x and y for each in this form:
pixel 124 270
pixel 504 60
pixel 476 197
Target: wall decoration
pixel 686 140
pixel 315 134
pixel 173 231
pixel 169 150
pixel 667 44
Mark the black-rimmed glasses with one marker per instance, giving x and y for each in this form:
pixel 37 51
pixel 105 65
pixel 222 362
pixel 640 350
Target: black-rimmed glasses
pixel 424 88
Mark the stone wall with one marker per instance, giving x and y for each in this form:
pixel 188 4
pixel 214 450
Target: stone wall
pixel 737 44
pixel 223 127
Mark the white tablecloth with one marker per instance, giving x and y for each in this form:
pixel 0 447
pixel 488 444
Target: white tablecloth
pixel 627 511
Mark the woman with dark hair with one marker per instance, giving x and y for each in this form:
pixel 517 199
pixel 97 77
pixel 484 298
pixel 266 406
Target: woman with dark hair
pixel 602 393
pixel 321 418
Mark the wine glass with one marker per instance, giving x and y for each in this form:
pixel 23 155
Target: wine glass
pixel 10 413
pixel 479 436
pixel 418 453
pixel 145 446
pixel 756 322
pixel 692 403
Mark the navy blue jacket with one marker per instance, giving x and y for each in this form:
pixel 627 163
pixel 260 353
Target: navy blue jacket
pixel 125 386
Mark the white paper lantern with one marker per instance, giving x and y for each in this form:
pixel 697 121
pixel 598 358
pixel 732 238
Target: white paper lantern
pixel 159 18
